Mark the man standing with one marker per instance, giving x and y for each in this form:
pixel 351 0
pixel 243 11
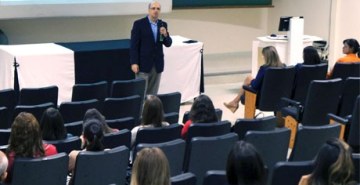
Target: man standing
pixel 146 52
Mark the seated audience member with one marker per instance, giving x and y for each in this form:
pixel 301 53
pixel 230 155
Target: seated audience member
pixel 333 165
pixel 92 137
pixel 310 56
pixel 152 116
pixel 151 167
pixel 3 166
pixel 351 50
pixel 271 59
pixel 26 141
pixel 202 111
pixel 245 166
pixel 95 114
pixel 52 125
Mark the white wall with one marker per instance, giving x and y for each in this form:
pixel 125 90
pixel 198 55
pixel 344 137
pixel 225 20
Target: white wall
pixel 222 30
pixel 345 24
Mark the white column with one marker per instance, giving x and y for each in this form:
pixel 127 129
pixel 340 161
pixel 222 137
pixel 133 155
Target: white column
pixel 295 40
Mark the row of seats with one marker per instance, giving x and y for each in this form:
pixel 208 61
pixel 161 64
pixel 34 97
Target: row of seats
pixel 123 103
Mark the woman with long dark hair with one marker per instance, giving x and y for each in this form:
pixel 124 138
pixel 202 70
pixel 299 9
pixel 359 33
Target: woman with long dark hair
pixel 333 165
pixel 52 125
pixel 26 141
pixel 202 111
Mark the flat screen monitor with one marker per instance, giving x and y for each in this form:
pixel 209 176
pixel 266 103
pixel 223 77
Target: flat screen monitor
pixel 284 23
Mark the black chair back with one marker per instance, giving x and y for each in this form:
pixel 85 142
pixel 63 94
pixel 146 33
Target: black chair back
pixel 98 90
pixel 4 118
pixel 304 75
pixel 309 139
pixel 322 98
pixel 115 108
pixel 290 173
pixel 158 134
pixel 215 177
pixel 208 129
pixel 354 131
pixel 122 123
pixel 345 70
pixel 125 88
pixel 174 151
pixel 349 93
pixel 66 145
pixel 171 117
pixel 271 145
pixel 111 164
pixel 209 153
pixel 9 100
pixel 45 170
pixel 277 83
pixel 74 128
pixel 4 136
pixel 184 179
pixel 35 96
pixel 242 126
pixel 36 110
pixel 356 162
pixel 115 139
pixel 75 111
pixel 171 102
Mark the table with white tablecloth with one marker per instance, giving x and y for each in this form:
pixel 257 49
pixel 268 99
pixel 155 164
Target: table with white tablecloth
pixel 65 64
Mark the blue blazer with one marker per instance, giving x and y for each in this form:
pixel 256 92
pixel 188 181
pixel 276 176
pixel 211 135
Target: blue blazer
pixel 144 51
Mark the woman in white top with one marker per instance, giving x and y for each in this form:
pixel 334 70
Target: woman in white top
pixel 152 115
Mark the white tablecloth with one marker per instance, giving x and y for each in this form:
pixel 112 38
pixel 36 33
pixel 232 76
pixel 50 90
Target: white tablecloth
pixel 51 64
pixel 182 69
pixel 40 65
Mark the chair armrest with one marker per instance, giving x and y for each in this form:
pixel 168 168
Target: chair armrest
pixel 290 102
pixel 248 88
pixel 339 119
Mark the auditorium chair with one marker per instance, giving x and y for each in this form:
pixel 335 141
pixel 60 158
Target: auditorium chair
pixel 115 139
pixel 4 136
pixel 183 179
pixel 272 145
pixel 98 90
pixel 290 173
pixel 115 108
pixel 102 167
pixel 345 70
pixel 351 89
pixel 35 96
pixel 170 101
pixel 121 123
pixel 75 128
pixel 171 117
pixel 208 129
pixel 75 111
pixel 304 75
pixel 36 110
pixel 277 83
pixel 322 98
pixel 158 134
pixel 309 139
pixel 125 88
pixel 9 100
pixel 215 177
pixel 66 145
pixel 353 121
pixel 208 153
pixel 174 151
pixel 4 118
pixel 242 126
pixel 44 170
pixel 356 162
pixel 218 112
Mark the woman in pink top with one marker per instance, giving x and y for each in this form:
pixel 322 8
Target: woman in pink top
pixel 26 141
